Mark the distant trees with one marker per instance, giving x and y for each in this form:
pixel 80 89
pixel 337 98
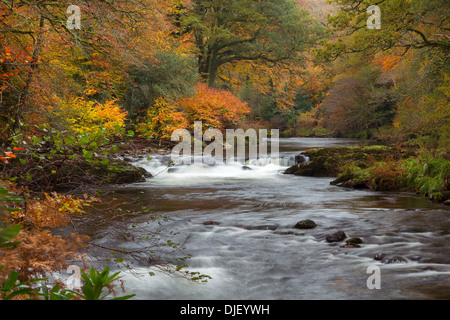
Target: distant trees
pixel 169 76
pixel 358 101
pixel 392 81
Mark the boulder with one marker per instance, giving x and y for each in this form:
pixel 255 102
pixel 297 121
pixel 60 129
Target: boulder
pixel 300 159
pixel 305 224
pixel 336 237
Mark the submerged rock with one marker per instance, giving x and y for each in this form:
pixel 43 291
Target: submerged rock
pixel 211 223
pixel 394 259
pixel 379 256
pixel 261 227
pixel 389 259
pixel 353 243
pixel 287 233
pixel 305 224
pixel 336 237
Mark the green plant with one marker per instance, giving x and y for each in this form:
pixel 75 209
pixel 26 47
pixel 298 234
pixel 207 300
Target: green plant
pixel 11 287
pixel 97 285
pixel 428 175
pixel 55 293
pixel 7 234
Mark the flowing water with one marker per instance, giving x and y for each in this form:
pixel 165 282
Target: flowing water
pixel 253 251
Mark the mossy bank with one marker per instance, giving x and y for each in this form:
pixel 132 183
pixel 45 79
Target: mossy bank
pixel 380 168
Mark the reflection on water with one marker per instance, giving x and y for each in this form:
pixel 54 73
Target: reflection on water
pixel 253 251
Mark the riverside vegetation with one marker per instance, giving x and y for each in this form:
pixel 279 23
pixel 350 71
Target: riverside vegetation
pixel 380 168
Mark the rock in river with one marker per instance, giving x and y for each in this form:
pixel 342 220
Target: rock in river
pixel 300 159
pixel 336 237
pixel 353 243
pixel 305 224
pixel 211 223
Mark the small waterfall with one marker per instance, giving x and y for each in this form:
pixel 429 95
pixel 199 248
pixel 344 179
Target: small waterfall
pixel 159 164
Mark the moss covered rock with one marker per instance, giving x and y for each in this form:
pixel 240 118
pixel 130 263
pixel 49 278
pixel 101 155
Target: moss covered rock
pixel 305 224
pixel 114 172
pixel 330 162
pixel 58 172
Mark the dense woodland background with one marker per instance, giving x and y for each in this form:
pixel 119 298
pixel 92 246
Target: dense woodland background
pixel 139 69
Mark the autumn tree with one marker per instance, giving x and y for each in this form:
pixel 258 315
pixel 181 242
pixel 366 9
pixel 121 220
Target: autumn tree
pixel 271 32
pixel 216 108
pixel 404 24
pixel 44 58
pixel 358 101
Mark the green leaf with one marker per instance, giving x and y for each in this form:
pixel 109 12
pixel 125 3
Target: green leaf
pixel 87 154
pixel 8 234
pixel 124 297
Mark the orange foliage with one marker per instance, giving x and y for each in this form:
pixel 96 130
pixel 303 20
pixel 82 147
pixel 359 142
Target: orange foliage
pixel 40 251
pixel 53 211
pixel 8 155
pixel 216 108
pixel 388 62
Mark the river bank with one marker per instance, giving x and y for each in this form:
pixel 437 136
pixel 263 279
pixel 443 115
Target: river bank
pixel 380 168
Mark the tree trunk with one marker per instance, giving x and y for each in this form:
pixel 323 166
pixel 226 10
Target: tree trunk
pixel 212 67
pixel 33 68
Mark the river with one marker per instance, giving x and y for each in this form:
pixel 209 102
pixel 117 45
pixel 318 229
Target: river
pixel 253 251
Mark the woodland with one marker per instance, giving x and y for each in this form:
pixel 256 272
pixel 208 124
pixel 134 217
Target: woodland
pixel 72 97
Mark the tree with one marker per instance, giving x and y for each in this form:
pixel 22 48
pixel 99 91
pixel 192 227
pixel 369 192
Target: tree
pixel 272 32
pixel 48 59
pixel 359 100
pixel 216 108
pixel 404 24
pixel 171 76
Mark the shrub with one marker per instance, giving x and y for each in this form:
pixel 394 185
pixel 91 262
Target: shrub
pixel 216 108
pixel 429 175
pixel 84 116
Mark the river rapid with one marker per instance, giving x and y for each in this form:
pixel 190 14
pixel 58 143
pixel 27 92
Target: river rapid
pixel 238 224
